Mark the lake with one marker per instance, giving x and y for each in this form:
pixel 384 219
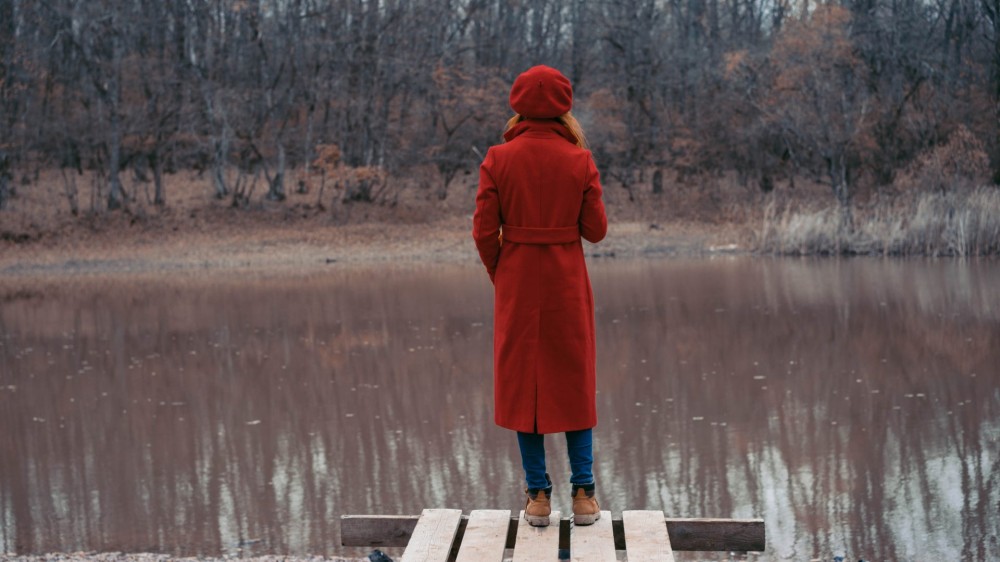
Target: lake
pixel 854 405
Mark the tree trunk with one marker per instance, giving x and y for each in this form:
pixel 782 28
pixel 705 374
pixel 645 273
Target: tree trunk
pixel 114 181
pixel 839 180
pixel 308 150
pixel 4 180
pixel 159 197
pixel 70 190
pixel 114 100
pixel 276 191
pixel 219 166
pixel 658 181
pixel 996 90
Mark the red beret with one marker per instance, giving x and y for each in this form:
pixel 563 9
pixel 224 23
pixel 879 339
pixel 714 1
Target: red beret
pixel 541 92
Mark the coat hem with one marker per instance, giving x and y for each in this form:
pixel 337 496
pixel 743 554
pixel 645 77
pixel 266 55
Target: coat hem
pixel 559 429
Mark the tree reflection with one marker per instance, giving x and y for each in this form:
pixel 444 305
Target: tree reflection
pixel 851 404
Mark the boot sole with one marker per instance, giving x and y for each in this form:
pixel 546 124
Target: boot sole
pixel 586 519
pixel 537 520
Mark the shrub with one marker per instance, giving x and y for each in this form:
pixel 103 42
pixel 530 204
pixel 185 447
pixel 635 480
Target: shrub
pixel 960 163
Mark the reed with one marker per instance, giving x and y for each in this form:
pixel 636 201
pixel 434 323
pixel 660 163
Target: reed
pixel 954 223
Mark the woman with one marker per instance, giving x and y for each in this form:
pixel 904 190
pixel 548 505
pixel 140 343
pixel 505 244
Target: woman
pixel 539 192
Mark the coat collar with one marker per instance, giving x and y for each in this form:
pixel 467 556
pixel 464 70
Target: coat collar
pixel 539 126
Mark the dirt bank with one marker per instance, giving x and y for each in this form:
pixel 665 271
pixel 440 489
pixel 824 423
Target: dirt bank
pixel 308 244
pixel 39 236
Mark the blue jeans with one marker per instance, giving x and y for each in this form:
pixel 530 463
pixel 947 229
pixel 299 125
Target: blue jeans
pixel 580 445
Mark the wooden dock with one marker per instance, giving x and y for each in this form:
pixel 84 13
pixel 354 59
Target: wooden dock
pixel 488 535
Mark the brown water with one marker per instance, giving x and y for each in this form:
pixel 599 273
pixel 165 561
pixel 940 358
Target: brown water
pixel 853 405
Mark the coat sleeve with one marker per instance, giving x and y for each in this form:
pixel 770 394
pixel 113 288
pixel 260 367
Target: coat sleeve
pixel 486 220
pixel 593 219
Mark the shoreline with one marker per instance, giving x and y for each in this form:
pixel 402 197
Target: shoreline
pixel 710 216
pixel 306 247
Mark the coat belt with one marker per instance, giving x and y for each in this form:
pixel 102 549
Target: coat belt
pixel 536 235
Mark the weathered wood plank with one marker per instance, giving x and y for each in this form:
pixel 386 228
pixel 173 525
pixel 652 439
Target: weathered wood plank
pixel 485 536
pixel 739 535
pixel 646 537
pixel 594 543
pixel 432 537
pixel 376 530
pixel 537 543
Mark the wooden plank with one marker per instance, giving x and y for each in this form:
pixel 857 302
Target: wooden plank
pixel 646 537
pixel 537 543
pixel 739 535
pixel 485 536
pixel 721 535
pixel 594 543
pixel 431 539
pixel 376 530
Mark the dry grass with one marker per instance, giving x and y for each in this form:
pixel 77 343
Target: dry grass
pixel 697 215
pixel 310 229
pixel 957 223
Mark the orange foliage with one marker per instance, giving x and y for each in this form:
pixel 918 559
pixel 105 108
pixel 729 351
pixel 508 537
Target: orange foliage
pixel 468 95
pixel 961 162
pixel 327 158
pixel 735 62
pixel 687 152
pixel 819 95
pixel 360 183
pixel 812 49
pixel 603 121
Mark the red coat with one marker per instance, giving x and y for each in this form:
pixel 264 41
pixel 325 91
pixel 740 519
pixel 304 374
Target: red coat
pixel 543 193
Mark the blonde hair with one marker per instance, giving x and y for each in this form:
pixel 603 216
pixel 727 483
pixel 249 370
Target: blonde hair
pixel 567 121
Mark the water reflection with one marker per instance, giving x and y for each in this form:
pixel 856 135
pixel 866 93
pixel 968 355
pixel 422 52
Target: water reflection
pixel 852 404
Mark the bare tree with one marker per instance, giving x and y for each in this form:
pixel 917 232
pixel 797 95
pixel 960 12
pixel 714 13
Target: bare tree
pixel 241 88
pixel 991 8
pixel 820 100
pixel 4 179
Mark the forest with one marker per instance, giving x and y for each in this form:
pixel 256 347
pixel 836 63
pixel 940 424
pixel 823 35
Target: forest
pixel 874 100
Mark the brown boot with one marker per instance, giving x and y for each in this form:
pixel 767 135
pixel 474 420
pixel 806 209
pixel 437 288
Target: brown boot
pixel 586 510
pixel 539 507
